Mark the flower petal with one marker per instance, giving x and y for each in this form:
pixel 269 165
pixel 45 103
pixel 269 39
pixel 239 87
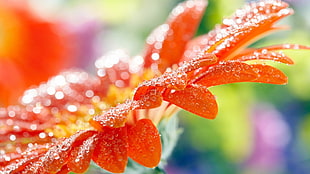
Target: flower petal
pixel 244 27
pixel 114 117
pixel 226 72
pixel 148 97
pixel 64 170
pixel 113 68
pixel 144 143
pixel 57 155
pixel 167 42
pixel 263 54
pixel 194 98
pixel 111 151
pixel 269 74
pixel 35 57
pixel 20 162
pixel 20 165
pixel 80 156
pixel 67 88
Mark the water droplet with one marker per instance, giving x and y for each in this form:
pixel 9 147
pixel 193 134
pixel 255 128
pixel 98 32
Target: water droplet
pixel 155 56
pixel 11 114
pixel 42 135
pixel 72 108
pixel 33 127
pixel 59 95
pixel 12 137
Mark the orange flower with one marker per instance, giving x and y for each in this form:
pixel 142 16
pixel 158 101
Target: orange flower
pixel 78 118
pixel 31 51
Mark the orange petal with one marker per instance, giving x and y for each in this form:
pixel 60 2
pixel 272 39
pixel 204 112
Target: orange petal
pixel 58 154
pixel 267 53
pixel 264 54
pixel 114 72
pixel 64 170
pixel 168 41
pixel 226 72
pixel 19 165
pixel 269 74
pixel 148 97
pixel 244 27
pixel 144 143
pixel 80 156
pixel 196 99
pixel 285 47
pixel 34 168
pixel 12 86
pixel 111 151
pixel 5 159
pixel 114 117
pixel 20 162
pixel 37 57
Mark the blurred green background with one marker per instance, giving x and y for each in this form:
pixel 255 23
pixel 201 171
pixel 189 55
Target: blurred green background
pixel 260 128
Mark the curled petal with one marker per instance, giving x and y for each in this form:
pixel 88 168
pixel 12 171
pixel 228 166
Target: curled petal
pixel 269 74
pixel 194 98
pixel 111 150
pixel 168 41
pixel 226 72
pixel 144 143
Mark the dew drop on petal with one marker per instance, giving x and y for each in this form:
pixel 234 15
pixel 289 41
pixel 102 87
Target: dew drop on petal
pixel 42 135
pixel 59 95
pixel 72 108
pixel 12 137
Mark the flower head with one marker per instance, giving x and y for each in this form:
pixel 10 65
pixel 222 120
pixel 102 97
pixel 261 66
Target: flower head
pixel 80 117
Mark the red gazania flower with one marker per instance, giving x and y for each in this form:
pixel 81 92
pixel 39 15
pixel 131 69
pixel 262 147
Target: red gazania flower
pixel 62 139
pixel 31 50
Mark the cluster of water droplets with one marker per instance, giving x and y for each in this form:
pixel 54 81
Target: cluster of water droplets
pixel 267 55
pixel 226 72
pixel 116 68
pixel 196 99
pixel 112 148
pixel 63 91
pixel 244 22
pixel 115 116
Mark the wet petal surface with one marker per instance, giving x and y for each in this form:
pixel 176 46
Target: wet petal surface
pixel 226 72
pixel 196 99
pixel 111 151
pixel 166 44
pixel 144 143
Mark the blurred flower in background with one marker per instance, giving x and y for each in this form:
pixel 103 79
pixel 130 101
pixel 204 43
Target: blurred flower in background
pixel 41 38
pixel 31 50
